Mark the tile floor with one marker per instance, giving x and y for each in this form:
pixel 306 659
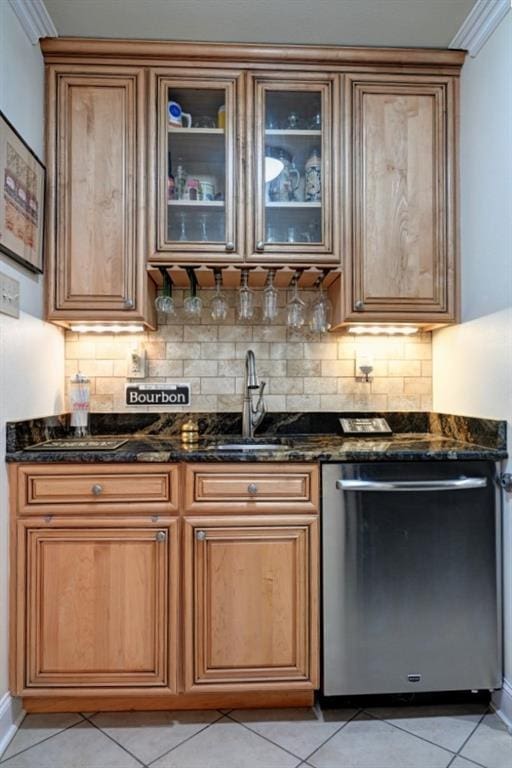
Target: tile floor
pixel 458 736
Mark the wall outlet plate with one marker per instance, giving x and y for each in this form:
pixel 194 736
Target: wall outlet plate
pixel 137 362
pixel 9 296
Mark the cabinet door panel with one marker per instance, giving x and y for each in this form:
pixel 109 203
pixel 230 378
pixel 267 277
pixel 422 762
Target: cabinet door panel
pixel 98 193
pixel 252 608
pixel 403 239
pixel 195 199
pixel 292 165
pixel 97 607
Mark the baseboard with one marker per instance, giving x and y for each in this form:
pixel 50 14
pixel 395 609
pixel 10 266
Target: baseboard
pixel 11 715
pixel 502 703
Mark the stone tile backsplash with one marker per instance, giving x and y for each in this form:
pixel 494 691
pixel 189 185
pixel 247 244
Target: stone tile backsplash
pixel 304 372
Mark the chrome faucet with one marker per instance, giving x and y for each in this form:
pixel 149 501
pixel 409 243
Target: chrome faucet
pixel 251 415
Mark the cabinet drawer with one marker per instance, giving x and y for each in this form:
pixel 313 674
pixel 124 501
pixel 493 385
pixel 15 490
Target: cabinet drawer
pixel 111 488
pixel 251 488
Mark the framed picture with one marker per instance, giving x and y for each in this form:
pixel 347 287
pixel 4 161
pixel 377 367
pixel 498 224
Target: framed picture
pixel 22 178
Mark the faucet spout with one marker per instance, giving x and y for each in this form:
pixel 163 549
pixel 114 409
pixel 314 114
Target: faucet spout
pixel 252 415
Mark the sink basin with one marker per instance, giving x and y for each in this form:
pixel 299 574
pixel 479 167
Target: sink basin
pixel 248 447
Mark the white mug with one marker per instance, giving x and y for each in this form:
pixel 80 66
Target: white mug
pixel 176 115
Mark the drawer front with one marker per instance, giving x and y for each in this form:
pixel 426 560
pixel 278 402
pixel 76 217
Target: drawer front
pixel 112 488
pixel 251 487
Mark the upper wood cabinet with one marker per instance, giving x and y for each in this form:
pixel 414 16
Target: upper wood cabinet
pixel 292 123
pixel 196 209
pixel 96 173
pixel 401 234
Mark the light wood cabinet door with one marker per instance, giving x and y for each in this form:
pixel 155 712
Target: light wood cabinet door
pixel 195 200
pixel 98 612
pixel 251 603
pixel 400 250
pixel 292 165
pixel 96 172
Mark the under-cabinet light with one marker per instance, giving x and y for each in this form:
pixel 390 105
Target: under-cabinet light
pixel 383 330
pixel 107 327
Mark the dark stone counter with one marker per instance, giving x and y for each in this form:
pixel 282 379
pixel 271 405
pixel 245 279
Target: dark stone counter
pixel 301 437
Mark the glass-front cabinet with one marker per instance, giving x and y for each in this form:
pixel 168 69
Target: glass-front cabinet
pixel 198 208
pixel 291 168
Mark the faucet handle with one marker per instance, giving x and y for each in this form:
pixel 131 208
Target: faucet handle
pixel 260 410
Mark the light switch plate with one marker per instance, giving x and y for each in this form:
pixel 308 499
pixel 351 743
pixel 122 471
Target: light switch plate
pixel 9 296
pixel 137 362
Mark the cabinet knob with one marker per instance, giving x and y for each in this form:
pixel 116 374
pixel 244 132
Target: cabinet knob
pixel 128 303
pixel 260 245
pixel 359 306
pixel 230 246
pixel 97 489
pixel 252 488
pixel 200 535
pixel 161 536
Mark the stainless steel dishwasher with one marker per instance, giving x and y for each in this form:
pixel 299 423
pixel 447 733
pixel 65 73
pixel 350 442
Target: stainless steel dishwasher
pixel 411 577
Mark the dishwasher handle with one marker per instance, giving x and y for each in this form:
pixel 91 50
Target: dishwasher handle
pixel 457 484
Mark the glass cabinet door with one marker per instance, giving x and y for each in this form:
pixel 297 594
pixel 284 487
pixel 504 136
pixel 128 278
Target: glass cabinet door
pixel 292 166
pixel 197 199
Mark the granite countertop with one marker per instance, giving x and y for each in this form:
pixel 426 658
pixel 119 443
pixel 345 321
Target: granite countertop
pixel 328 447
pixel 315 436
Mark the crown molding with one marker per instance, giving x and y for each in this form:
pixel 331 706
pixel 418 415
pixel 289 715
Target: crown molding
pixel 34 18
pixel 479 25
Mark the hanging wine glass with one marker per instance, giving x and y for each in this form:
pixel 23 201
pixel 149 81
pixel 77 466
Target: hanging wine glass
pixel 192 305
pixel 321 309
pixel 164 303
pixel 295 309
pixel 245 299
pixel 219 305
pixel 270 297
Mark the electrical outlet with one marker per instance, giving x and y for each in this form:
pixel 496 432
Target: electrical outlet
pixel 137 361
pixel 9 296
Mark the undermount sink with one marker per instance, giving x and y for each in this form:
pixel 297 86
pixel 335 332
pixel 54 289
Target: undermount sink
pixel 250 446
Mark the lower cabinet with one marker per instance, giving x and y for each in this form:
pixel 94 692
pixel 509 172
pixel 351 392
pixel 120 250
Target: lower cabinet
pixel 251 603
pixel 99 606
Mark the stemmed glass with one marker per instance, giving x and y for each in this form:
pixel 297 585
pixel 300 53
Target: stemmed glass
pixel 183 237
pixel 321 309
pixel 270 296
pixel 192 305
pixel 245 299
pixel 295 309
pixel 164 302
pixel 219 305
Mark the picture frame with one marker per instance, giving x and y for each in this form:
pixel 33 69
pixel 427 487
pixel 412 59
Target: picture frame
pixel 22 199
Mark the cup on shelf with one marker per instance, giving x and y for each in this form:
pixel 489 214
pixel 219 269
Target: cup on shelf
pixel 192 189
pixel 176 115
pixel 204 121
pixel 221 117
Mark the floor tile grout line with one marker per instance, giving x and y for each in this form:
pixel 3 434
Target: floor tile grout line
pixel 37 743
pixel 13 736
pixel 415 735
pixel 189 738
pixel 487 711
pixel 356 713
pixel 274 744
pixel 141 762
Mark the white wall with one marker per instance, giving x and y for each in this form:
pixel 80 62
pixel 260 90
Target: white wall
pixel 31 351
pixel 472 362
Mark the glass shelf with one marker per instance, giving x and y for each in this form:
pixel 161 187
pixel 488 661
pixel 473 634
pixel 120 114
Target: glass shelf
pixel 197 203
pixel 293 204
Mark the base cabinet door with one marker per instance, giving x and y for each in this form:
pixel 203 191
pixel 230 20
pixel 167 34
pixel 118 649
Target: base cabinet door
pixel 401 231
pixel 251 603
pixel 98 611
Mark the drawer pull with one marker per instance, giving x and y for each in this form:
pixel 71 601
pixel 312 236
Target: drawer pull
pixel 161 536
pixel 97 489
pixel 252 488
pixel 200 535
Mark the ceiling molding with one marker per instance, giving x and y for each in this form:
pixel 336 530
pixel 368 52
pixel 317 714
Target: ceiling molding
pixel 479 25
pixel 34 18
